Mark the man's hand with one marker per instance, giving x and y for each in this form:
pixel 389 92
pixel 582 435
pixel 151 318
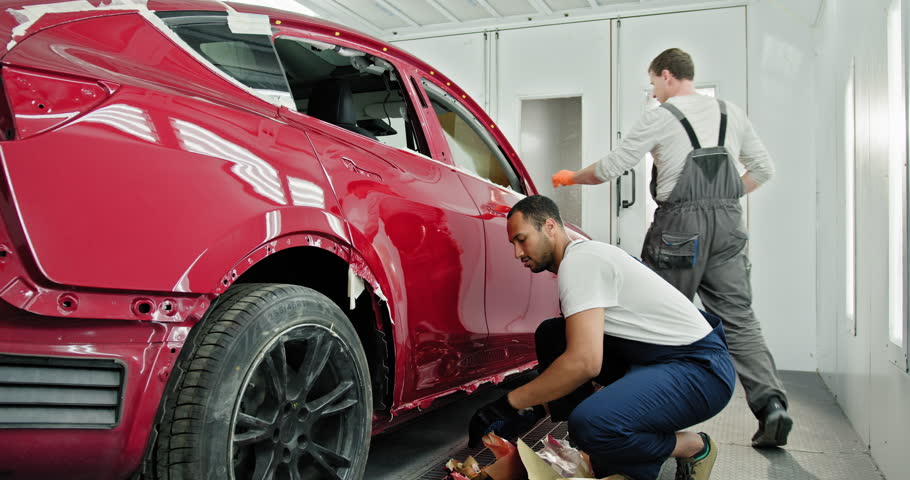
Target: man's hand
pixel 563 178
pixel 489 417
pixel 502 418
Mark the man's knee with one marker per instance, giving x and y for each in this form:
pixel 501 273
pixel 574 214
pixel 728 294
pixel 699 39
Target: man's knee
pixel 580 430
pixel 592 434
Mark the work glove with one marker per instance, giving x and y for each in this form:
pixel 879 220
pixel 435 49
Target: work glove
pixel 563 178
pixel 501 418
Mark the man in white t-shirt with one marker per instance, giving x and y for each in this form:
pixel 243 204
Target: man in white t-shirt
pixel 697 241
pixel 664 366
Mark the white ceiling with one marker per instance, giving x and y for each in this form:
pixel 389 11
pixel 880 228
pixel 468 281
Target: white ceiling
pixel 390 19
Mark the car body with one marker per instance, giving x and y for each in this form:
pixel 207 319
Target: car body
pixel 158 154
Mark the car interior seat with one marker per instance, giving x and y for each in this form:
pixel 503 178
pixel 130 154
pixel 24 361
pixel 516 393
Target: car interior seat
pixel 333 102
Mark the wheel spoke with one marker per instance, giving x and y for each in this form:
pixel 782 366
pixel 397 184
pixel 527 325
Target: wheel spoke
pixel 331 458
pixel 320 403
pixel 248 438
pixel 276 371
pixel 265 465
pixel 294 470
pixel 257 430
pixel 338 407
pixel 251 422
pixel 316 358
pixel 322 462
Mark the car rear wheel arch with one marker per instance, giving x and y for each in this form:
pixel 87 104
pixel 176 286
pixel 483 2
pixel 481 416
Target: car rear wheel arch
pixel 325 272
pixel 226 412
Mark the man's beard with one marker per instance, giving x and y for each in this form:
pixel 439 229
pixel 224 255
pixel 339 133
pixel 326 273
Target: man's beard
pixel 546 257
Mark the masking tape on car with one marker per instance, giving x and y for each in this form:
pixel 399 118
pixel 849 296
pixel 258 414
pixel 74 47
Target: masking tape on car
pixel 28 15
pixel 275 98
pixel 249 23
pixel 240 23
pixel 355 287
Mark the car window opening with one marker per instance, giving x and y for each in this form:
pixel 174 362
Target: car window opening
pixel 247 58
pixel 473 148
pixel 356 91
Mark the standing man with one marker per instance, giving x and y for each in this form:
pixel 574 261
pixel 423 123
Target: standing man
pixel 697 242
pixel 663 365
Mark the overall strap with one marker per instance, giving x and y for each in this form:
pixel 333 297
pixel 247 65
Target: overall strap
pixel 723 122
pixel 685 123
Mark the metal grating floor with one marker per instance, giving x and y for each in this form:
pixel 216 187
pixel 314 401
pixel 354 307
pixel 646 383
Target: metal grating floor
pixel 822 445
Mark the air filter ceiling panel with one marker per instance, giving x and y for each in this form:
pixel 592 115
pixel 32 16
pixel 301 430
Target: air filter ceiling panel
pixel 421 11
pixel 559 5
pixel 374 13
pixel 467 10
pixel 508 8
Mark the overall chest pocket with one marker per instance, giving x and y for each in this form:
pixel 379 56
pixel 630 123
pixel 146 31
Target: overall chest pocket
pixel 677 250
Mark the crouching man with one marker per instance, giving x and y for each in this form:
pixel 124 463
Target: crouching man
pixel 664 366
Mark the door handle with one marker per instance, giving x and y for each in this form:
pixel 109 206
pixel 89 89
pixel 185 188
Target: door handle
pixel 620 203
pixel 497 209
pixel 626 204
pixel 352 166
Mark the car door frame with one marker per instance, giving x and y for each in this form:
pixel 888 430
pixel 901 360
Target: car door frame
pixel 502 347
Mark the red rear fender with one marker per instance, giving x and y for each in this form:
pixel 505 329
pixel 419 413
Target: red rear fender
pixel 168 184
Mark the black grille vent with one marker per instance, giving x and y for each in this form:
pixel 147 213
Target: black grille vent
pixel 44 392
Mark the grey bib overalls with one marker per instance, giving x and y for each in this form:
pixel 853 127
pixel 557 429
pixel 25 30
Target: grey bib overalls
pixel 697 244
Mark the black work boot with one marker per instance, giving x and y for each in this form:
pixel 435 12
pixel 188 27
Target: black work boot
pixel 773 426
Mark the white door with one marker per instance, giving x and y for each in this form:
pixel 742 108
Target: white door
pixel 716 40
pixel 552 101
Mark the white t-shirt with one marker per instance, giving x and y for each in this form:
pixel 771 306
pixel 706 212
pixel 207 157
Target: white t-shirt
pixel 659 132
pixel 638 304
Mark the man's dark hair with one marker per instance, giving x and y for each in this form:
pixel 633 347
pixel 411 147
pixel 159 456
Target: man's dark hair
pixel 537 209
pixel 678 62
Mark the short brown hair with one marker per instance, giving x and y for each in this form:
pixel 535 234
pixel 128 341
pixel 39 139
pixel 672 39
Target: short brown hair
pixel 678 62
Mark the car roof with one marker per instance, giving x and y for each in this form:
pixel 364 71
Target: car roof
pixel 21 18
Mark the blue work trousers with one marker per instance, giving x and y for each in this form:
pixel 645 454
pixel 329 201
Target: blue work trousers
pixel 650 392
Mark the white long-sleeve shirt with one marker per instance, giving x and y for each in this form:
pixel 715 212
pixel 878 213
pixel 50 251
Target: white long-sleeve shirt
pixel 659 132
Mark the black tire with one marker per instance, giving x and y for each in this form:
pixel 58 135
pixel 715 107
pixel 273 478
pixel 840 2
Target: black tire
pixel 273 384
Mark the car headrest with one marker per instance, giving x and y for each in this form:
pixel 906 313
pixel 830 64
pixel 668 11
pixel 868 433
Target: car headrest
pixel 331 101
pixel 394 109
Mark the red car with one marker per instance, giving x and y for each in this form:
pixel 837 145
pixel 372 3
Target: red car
pixel 236 242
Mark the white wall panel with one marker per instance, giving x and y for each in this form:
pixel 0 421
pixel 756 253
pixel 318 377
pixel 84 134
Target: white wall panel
pixel 873 392
pixel 459 57
pixel 782 214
